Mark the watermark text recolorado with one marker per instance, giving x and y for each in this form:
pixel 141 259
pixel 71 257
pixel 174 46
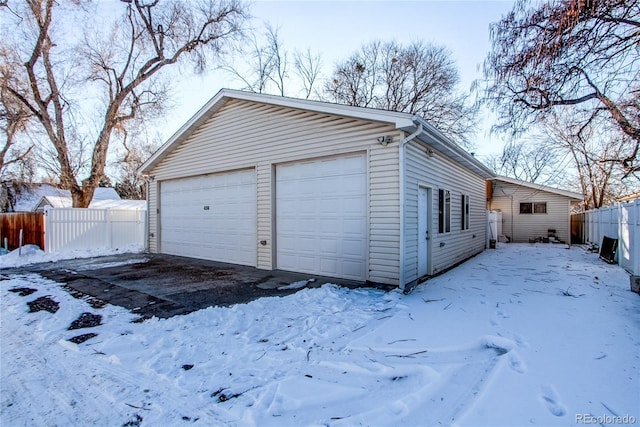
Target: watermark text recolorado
pixel 605 419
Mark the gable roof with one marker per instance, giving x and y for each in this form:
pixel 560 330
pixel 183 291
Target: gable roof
pixel 539 187
pixel 403 121
pixel 40 195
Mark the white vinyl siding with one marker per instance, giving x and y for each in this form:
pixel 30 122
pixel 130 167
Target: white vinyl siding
pixel 507 198
pixel 439 172
pixel 384 215
pixel 244 134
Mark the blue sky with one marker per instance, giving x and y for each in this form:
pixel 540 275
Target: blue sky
pixel 335 29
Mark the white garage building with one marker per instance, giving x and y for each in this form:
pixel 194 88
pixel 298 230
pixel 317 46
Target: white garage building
pixel 317 188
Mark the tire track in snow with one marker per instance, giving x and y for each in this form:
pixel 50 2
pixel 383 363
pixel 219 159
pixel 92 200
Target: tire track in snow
pixel 85 389
pixel 61 399
pixel 436 386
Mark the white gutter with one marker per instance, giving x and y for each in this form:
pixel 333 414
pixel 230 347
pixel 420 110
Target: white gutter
pixel 402 155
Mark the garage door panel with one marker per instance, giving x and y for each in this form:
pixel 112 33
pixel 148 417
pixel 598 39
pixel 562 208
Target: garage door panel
pixel 353 269
pixel 328 247
pixel 353 205
pixel 327 225
pixel 328 266
pixel 356 226
pixel 211 217
pixel 352 248
pixel 321 217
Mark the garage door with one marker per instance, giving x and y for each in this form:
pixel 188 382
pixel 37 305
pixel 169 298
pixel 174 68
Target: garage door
pixel 210 217
pixel 321 217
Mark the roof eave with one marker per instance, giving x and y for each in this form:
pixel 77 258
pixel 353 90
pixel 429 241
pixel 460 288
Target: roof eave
pixel 566 193
pixel 440 142
pixel 183 132
pixel 399 120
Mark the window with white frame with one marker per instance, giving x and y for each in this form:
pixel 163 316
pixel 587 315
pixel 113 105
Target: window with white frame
pixel 533 208
pixel 464 214
pixel 444 211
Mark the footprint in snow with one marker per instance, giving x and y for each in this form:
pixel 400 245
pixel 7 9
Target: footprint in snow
pixel 520 340
pixel 552 401
pixel 516 363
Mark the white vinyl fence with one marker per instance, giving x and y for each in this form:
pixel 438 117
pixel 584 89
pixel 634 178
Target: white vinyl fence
pixel 494 225
pixel 72 228
pixel 622 222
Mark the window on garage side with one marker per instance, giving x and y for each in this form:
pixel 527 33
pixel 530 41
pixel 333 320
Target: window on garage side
pixel 464 214
pixel 444 211
pixel 540 208
pixel 526 208
pixel 533 208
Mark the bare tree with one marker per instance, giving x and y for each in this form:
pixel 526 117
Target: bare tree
pixel 590 148
pixel 532 160
pixel 551 55
pixel 121 67
pixel 265 66
pixel 137 146
pixel 357 80
pixel 14 118
pixel 419 79
pixel 280 59
pixel 257 65
pixel 307 66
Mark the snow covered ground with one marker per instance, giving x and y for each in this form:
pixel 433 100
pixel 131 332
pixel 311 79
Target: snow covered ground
pixel 522 335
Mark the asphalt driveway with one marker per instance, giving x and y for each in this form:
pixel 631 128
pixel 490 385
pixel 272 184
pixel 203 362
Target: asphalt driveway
pixel 165 285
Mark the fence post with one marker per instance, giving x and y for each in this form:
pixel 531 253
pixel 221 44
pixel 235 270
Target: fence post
pixel 109 225
pixel 47 227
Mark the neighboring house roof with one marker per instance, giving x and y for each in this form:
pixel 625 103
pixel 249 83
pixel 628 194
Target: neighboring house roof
pixel 28 198
pixel 54 202
pixel 119 204
pixel 41 195
pixel 539 187
pixel 404 121
pixel 105 193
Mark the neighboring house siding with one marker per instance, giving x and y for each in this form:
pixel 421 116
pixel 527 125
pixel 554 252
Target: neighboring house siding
pixel 522 227
pixel 251 135
pixel 439 172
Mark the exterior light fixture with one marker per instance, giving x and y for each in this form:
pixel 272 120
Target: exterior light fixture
pixel 384 140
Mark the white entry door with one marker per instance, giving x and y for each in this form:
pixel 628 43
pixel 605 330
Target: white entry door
pixel 210 217
pixel 321 217
pixel 423 231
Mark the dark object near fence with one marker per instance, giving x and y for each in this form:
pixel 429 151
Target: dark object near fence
pixel 31 223
pixel 608 249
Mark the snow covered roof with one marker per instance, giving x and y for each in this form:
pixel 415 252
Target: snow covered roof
pixel 40 195
pixel 105 193
pixel 404 121
pixel 54 202
pixel 119 204
pixel 29 198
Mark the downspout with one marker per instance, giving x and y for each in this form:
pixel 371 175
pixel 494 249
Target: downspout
pixel 402 180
